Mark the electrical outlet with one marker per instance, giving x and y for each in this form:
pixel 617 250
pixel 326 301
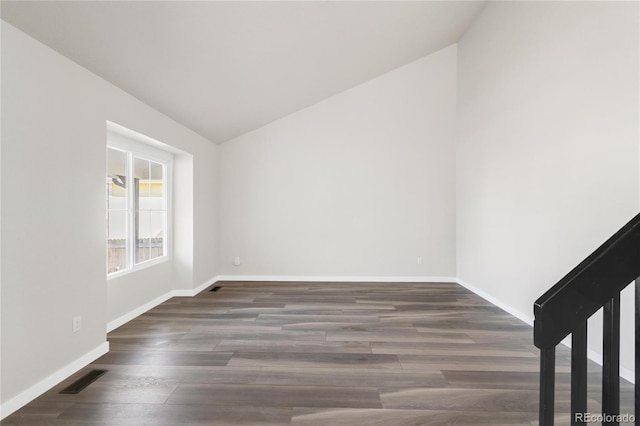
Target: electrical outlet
pixel 237 261
pixel 419 260
pixel 76 324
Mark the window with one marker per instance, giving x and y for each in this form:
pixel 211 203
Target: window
pixel 137 205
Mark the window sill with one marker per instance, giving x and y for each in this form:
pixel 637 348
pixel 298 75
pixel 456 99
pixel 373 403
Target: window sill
pixel 138 267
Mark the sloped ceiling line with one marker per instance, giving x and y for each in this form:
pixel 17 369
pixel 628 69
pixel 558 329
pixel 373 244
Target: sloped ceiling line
pixel 226 68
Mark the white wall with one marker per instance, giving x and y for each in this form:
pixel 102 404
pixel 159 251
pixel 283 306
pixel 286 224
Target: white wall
pixel 205 215
pixel 361 184
pixel 54 117
pixel 547 146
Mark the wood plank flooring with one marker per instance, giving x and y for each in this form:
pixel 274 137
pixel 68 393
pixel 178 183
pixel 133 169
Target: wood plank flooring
pixel 265 353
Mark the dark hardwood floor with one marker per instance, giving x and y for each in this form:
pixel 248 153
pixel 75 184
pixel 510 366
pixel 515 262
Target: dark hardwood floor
pixel 263 353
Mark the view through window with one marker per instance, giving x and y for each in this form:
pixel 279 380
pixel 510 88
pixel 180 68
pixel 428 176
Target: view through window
pixel 136 209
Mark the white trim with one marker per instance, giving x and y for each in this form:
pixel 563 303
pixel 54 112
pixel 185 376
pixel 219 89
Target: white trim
pixel 138 267
pixel 44 385
pixel 112 325
pixel 137 136
pixel 123 319
pixel 136 145
pixel 594 356
pixel 194 291
pixel 628 375
pixel 486 296
pixel 321 278
pixel 139 149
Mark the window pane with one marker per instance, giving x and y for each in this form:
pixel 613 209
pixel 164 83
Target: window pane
pixel 137 209
pixel 142 236
pixel 156 171
pixel 117 259
pixel 156 243
pixel 150 210
pixel 116 179
pixel 117 215
pixel 141 174
pixel 117 166
pixel 156 175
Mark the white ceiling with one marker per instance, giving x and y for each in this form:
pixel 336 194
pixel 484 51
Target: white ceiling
pixel 226 68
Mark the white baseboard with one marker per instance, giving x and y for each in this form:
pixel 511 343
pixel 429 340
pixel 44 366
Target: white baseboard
pixel 44 385
pixel 194 291
pixel 486 296
pixel 155 302
pixel 112 325
pixel 322 278
pixel 594 356
pixel 38 389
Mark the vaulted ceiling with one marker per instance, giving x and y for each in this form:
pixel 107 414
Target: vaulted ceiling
pixel 223 68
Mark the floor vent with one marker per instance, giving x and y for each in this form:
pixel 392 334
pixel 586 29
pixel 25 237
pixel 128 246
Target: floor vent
pixel 83 382
pixel 215 288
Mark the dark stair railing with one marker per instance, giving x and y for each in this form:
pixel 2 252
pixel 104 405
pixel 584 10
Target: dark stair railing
pixel 595 283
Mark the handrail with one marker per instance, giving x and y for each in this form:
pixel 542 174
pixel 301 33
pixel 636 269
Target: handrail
pixel 588 287
pixel 594 284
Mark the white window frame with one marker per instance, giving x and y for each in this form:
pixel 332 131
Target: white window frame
pixel 137 148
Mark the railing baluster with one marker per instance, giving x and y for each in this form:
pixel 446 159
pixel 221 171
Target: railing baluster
pixel 611 359
pixel 578 375
pixel 595 283
pixel 547 386
pixel 637 390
